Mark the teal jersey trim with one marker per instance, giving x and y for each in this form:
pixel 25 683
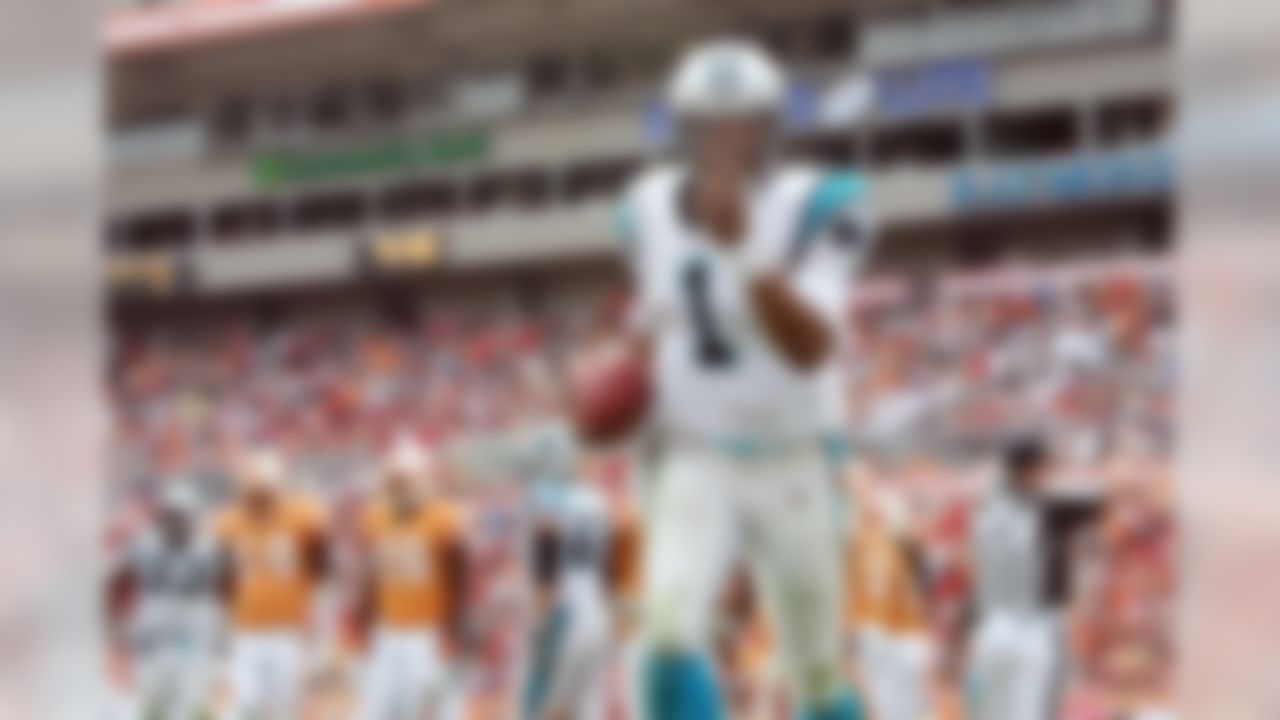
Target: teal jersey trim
pixel 833 195
pixel 547 648
pixel 624 226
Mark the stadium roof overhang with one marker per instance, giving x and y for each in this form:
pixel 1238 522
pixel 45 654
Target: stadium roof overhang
pixel 180 55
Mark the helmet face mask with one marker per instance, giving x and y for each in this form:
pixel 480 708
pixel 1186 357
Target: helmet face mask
pixel 179 506
pixel 401 488
pixel 727 98
pixel 262 480
pixel 731 148
pixel 406 475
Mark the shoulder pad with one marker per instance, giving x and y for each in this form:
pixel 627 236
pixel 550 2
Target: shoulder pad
pixel 832 195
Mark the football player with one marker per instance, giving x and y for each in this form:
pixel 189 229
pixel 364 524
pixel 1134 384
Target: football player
pixel 171 575
pixel 414 588
pixel 275 544
pixel 891 643
pixel 578 556
pixel 742 267
pixel 1022 538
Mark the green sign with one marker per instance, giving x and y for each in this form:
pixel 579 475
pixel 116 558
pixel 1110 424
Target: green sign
pixel 275 169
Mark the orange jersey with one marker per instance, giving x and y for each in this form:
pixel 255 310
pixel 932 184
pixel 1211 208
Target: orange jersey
pixel 882 592
pixel 407 554
pixel 273 585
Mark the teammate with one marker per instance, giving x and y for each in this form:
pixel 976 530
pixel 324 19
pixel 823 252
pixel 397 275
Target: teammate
pixel 577 554
pixel 172 574
pixel 568 670
pixel 886 610
pixel 415 587
pixel 275 544
pixel 742 268
pixel 1020 548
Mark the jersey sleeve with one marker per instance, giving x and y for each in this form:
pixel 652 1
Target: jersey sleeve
pixel 223 528
pixel 627 230
pixel 313 520
pixel 367 523
pixel 832 243
pixel 452 523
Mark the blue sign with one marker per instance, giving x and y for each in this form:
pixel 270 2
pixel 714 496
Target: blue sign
pixel 939 88
pixel 659 126
pixel 1106 176
pixel 802 103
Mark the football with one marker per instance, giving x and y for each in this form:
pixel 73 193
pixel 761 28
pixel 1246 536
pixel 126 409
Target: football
pixel 611 393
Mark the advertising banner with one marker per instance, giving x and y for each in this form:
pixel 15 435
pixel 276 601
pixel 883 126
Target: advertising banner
pixel 1090 177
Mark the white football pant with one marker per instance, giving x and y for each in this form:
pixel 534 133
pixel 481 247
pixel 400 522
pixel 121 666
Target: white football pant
pixel 568 670
pixel 1017 667
pixel 896 670
pixel 405 677
pixel 779 512
pixel 266 676
pixel 173 683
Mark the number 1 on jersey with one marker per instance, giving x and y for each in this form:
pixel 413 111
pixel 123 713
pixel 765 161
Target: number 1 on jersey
pixel 712 347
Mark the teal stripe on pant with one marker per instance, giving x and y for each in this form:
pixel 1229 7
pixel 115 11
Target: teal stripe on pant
pixel 681 686
pixel 547 647
pixel 846 707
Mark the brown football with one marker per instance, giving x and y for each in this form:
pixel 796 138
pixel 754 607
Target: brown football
pixel 612 392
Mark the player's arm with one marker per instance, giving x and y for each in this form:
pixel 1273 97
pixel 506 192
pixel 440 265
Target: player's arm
pixel 794 328
pixel 618 561
pixel 1067 514
pixel 119 599
pixel 454 566
pixel 316 554
pixel 546 559
pixel 224 580
pixel 364 602
pixel 801 304
pixel 917 578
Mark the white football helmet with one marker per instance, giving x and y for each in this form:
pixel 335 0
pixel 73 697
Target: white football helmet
pixel 726 78
pixel 180 497
pixel 263 469
pixel 411 463
pixel 406 458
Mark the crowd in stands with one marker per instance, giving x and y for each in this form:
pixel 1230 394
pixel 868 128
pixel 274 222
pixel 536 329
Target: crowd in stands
pixel 1083 353
pixel 942 367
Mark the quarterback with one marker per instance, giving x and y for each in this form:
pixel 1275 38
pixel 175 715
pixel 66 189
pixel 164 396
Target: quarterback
pixel 741 269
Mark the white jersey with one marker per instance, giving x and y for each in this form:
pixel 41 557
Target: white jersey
pixel 1022 548
pixel 177 591
pixel 718 378
pixel 543 456
pixel 1007 546
pixel 579 516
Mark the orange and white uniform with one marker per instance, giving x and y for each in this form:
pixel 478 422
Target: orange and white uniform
pixel 406 675
pixel 271 603
pixel 885 610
